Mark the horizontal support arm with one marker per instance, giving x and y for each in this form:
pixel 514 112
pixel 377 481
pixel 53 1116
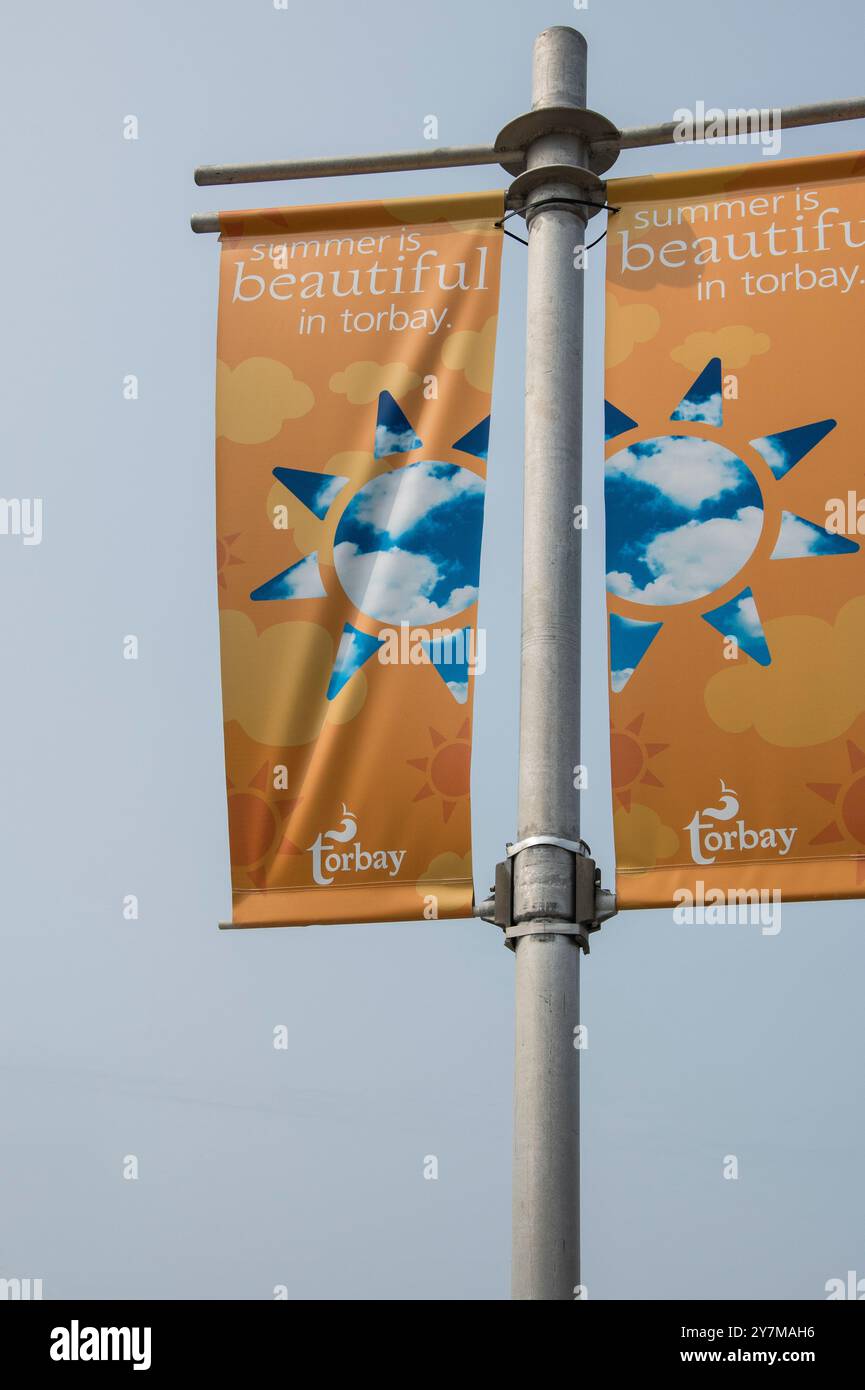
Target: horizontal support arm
pixel 462 156
pixel 819 113
pixel 436 157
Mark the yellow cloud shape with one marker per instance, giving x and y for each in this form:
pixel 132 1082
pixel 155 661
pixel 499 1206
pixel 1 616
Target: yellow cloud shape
pixel 443 868
pixel 362 381
pixel 255 397
pixel 274 684
pixel 473 353
pixel 813 689
pixel 627 325
pixel 735 345
pixel 642 838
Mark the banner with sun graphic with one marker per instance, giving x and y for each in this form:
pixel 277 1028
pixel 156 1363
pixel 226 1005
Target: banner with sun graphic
pixel 354 378
pixel 735 511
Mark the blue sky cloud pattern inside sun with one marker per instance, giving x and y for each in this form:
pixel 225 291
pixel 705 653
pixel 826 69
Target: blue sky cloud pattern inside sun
pixel 683 516
pixel 407 548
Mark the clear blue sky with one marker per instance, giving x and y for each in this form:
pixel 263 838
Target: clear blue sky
pixel 154 1038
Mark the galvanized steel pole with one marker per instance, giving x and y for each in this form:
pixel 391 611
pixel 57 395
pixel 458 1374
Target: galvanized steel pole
pixel 546 1085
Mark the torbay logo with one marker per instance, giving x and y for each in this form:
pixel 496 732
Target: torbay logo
pixel 707 842
pixel 328 859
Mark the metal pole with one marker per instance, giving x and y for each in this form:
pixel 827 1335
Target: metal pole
pixel 546 1082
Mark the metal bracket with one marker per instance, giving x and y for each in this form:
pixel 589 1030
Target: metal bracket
pixel 498 909
pixel 520 191
pixel 599 133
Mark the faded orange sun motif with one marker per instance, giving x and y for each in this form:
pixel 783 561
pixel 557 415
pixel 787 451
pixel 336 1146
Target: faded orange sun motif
pixel 224 557
pixel 257 825
pixel 848 800
pixel 446 769
pixel 629 758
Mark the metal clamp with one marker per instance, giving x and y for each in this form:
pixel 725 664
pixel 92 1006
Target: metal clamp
pixel 498 909
pixel 575 846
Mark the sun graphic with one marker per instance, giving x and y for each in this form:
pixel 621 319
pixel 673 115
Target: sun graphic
pixel 257 825
pixel 224 557
pixel 446 770
pixel 687 518
pixel 629 759
pixel 397 545
pixel 848 800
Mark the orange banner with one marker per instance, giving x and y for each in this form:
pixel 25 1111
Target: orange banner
pixel 735 509
pixel 356 348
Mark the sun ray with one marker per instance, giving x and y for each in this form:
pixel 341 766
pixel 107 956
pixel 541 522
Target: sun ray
pixel 354 649
pixel 784 450
pixel 650 780
pixel 316 491
pixel 301 580
pixel 739 618
pixel 477 441
pixel 224 557
pixel 829 835
pixel 703 402
pixel 449 656
pixel 616 422
pixel 394 434
pixel 799 538
pixel 827 790
pixel 630 639
pixel 261 779
pixel 855 756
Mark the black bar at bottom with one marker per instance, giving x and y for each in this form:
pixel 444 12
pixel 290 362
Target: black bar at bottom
pixel 243 1339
